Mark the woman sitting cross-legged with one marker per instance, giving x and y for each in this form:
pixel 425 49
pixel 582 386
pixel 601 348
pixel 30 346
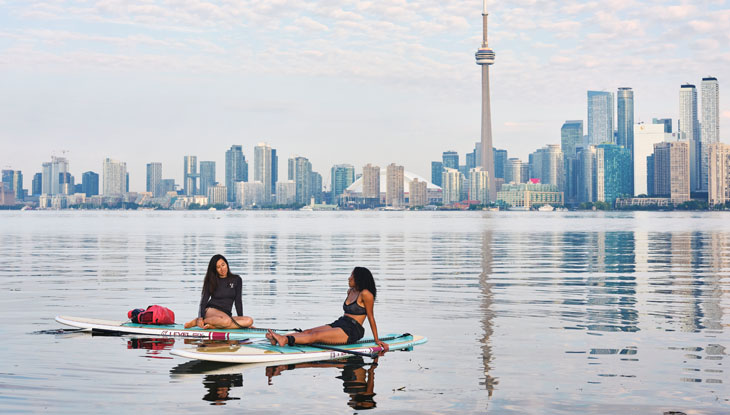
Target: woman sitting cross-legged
pixel 347 329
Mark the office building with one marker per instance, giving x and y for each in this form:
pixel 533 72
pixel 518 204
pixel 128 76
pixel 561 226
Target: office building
pixel 547 165
pixel 167 186
pixel 614 176
pixel 718 191
pixel 316 187
pixel 500 160
pixel 207 177
pixel 513 171
pixel 190 175
pixel 217 193
pixel 450 159
pixel 710 127
pixel 585 175
pixel 527 195
pixel 600 117
pixel 37 185
pixel 90 183
pixel 688 129
pixel 55 176
pixel 236 170
pixel 13 180
pixel 154 177
pixel 451 186
pixel 625 118
pixel 262 168
pixel 342 176
pixel 437 168
pixel 645 136
pixel 394 189
pixel 666 122
pixel 672 170
pixel 274 170
pixel 417 193
pixel 114 176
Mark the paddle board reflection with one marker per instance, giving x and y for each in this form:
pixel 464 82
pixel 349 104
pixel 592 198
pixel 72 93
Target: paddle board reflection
pixel 357 381
pixel 154 346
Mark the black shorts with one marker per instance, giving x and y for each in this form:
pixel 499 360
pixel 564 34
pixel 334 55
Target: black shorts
pixel 351 327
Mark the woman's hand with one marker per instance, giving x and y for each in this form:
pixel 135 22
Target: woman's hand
pixel 383 345
pixel 200 322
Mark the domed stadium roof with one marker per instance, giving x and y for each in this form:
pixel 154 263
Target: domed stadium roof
pixel 408 177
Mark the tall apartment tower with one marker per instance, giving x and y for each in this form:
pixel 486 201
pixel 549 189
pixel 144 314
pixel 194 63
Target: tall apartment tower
pixel 90 183
pixel 450 159
pixel 190 175
pixel 718 191
pixel 710 128
pixel 513 171
pixel 625 122
pixel 571 138
pixel 437 167
pixel 671 170
pixel 479 185
pixel 13 179
pixel 262 168
pixel 54 176
pixel 417 193
pixel 301 170
pixel 645 136
pixel 371 184
pixel 207 176
pixel 585 174
pixel 342 176
pixel 451 189
pixel 236 170
pixel 689 130
pixel 394 177
pixel 485 58
pixel 600 117
pixel 154 178
pixel 114 175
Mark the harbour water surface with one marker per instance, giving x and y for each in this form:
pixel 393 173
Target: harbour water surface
pixel 526 312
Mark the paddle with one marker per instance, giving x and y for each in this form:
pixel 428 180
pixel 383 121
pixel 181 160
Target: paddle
pixel 371 355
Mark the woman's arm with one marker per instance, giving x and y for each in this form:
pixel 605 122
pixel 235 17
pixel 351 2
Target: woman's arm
pixel 367 298
pixel 204 297
pixel 239 302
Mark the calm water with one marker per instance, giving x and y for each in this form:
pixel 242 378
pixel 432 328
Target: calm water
pixel 526 312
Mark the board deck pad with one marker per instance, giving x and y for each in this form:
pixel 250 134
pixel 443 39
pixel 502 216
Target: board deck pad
pixel 171 330
pixel 264 352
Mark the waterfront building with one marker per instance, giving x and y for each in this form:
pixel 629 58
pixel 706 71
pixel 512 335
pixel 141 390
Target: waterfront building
pixel 571 137
pixel 217 194
pixel 451 180
pixel 236 170
pixel 301 170
pixel 190 175
pixel 114 176
pixel 274 170
pixel 479 185
pixel 13 180
pixel 7 196
pixel 316 188
pixel 600 117
pixel 342 176
pixel 645 136
pixel 718 174
pixel 353 196
pixel 54 176
pixel 418 195
pixel 500 160
pixel 207 176
pixel 547 164
pixel 262 159
pixel 286 192
pixel 90 183
pixel 625 118
pixel 585 175
pixel 671 170
pixel 666 122
pixel 649 175
pixel 688 128
pixel 167 186
pixel 527 195
pixel 710 126
pixel 394 191
pixel 485 58
pixel 154 177
pixel 37 185
pixel 513 171
pixel 371 185
pixel 614 176
pixel 249 194
pixel 437 168
pixel 450 159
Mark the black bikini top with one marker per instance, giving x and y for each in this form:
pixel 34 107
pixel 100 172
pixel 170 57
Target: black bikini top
pixel 354 308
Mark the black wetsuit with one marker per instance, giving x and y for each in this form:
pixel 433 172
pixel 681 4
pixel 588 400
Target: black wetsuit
pixel 227 293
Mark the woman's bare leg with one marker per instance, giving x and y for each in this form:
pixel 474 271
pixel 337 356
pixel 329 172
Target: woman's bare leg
pixel 325 335
pixel 216 319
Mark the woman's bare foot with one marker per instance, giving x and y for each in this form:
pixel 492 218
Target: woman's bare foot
pixel 191 323
pixel 276 338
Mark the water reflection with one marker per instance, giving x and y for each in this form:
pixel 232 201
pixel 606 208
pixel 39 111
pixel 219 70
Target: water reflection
pixel 487 314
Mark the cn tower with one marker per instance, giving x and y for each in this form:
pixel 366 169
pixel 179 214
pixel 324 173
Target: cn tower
pixel 485 57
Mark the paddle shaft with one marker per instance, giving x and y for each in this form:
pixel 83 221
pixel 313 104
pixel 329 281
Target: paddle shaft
pixel 371 355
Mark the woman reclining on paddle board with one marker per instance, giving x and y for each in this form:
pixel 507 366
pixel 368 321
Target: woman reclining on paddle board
pixel 221 288
pixel 348 328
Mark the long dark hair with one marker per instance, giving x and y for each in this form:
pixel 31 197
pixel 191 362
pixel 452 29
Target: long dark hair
pixel 210 284
pixel 364 280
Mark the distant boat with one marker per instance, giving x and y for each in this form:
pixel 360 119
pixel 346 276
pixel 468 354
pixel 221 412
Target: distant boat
pixel 26 207
pixel 212 208
pixel 545 208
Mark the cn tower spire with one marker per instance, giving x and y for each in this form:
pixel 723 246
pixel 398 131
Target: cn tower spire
pixel 485 58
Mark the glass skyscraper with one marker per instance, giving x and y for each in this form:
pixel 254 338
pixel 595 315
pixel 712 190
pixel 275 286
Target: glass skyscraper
pixel 154 177
pixel 625 133
pixel 236 170
pixel 437 168
pixel 667 122
pixel 500 159
pixel 90 183
pixel 689 129
pixel 207 176
pixel 190 175
pixel 451 159
pixel 342 176
pixel 710 124
pixel 600 117
pixel 262 160
pixel 614 175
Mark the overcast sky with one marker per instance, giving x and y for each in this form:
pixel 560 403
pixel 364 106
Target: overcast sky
pixel 336 81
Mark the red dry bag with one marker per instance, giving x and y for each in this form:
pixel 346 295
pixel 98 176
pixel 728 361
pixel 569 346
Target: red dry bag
pixel 155 314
